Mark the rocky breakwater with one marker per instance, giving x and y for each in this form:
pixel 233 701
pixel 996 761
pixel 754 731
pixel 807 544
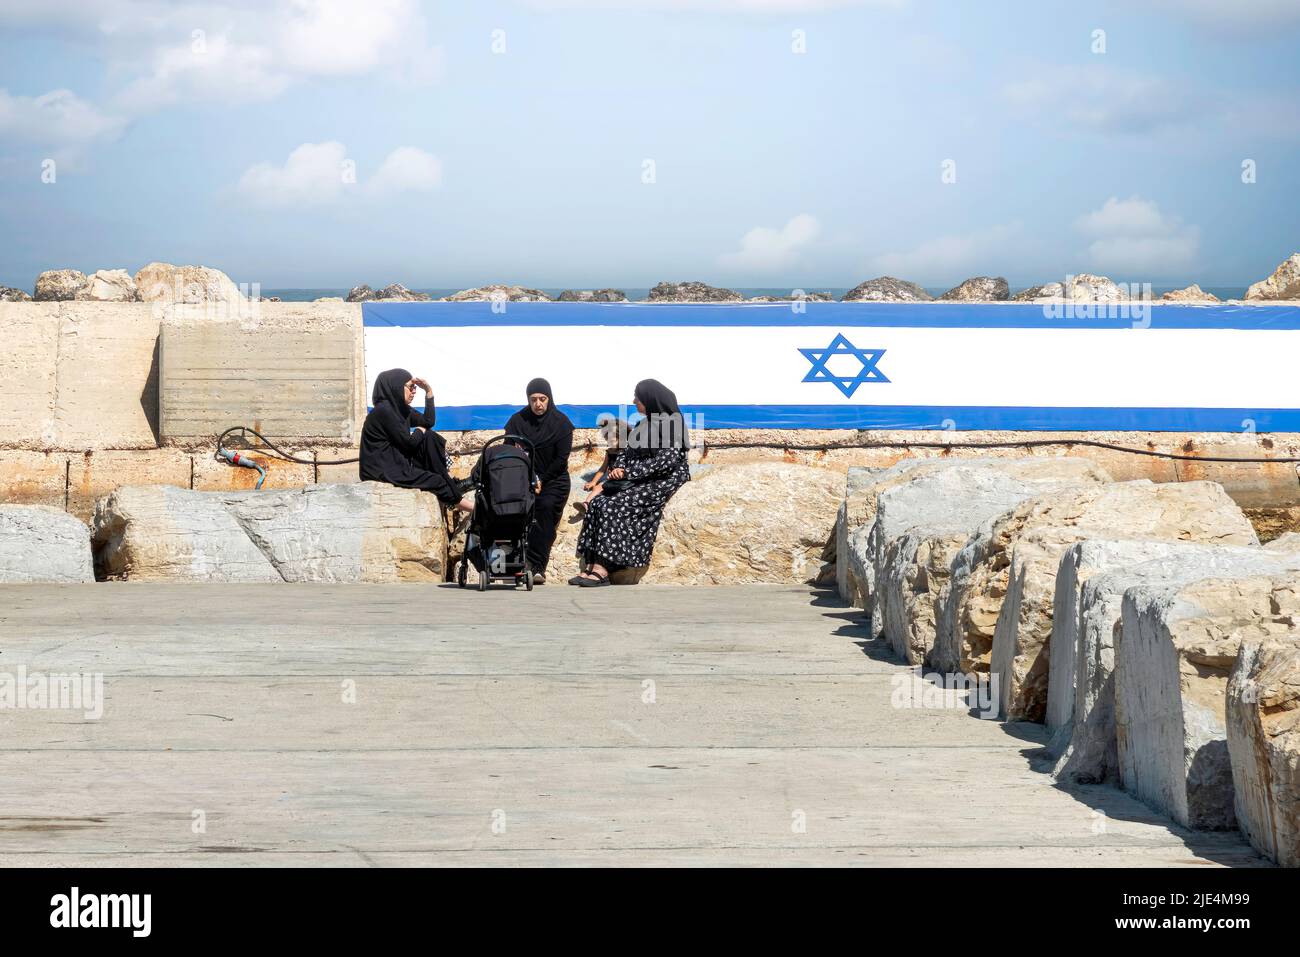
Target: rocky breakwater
pixel 731 524
pixel 364 532
pixel 997 615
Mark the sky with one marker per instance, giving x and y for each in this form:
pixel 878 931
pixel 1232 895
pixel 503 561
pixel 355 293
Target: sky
pixel 590 143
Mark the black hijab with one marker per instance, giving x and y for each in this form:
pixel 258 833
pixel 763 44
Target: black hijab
pixel 664 426
pixel 390 387
pixel 543 430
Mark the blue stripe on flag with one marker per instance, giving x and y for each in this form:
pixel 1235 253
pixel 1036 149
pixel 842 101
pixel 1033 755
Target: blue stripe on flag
pixel 958 418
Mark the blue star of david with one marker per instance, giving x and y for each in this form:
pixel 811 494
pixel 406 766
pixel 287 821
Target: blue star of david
pixel 842 347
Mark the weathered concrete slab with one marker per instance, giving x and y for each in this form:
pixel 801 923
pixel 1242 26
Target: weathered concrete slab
pixel 289 372
pixel 27 373
pixel 33 478
pixel 92 475
pixel 768 737
pixel 107 376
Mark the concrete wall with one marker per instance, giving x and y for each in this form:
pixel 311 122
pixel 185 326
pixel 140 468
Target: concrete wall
pixel 80 413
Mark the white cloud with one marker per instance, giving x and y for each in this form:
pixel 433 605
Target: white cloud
pixel 765 248
pixel 1132 236
pixel 947 257
pixel 407 169
pixel 1103 99
pixel 321 174
pixel 312 175
pixel 235 51
pixel 58 117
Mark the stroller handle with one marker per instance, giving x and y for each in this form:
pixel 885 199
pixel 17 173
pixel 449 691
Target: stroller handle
pixel 510 436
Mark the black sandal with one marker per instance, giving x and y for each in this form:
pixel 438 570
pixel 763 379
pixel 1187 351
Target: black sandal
pixel 595 582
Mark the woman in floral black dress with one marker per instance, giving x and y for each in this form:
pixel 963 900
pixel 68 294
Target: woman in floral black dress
pixel 619 530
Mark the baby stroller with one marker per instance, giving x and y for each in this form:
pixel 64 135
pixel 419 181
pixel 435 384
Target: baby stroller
pixel 497 540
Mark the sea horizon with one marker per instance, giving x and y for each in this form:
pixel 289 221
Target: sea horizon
pixel 634 293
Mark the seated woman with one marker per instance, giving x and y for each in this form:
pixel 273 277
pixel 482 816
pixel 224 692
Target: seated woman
pixel 551 434
pixel 619 530
pixel 392 453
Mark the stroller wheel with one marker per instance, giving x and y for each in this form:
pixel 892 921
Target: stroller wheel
pixel 483 578
pixel 461 573
pixel 528 578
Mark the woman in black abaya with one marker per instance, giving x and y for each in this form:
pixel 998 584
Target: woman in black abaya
pixel 551 433
pixel 392 453
pixel 619 530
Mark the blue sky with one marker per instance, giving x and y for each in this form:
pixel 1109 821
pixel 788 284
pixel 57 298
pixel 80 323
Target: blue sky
pixel 513 141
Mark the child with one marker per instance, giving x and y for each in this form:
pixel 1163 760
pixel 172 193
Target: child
pixel 613 430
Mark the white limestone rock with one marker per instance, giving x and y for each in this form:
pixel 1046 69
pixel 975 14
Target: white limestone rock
pixel 1177 646
pixel 167 284
pixel 43 544
pixel 108 285
pixel 1090 585
pixel 918 530
pixel 360 532
pixel 1263 723
pixel 1283 284
pixel 999 606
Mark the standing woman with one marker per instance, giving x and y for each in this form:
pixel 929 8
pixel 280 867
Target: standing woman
pixel 619 530
pixel 551 433
pixel 392 453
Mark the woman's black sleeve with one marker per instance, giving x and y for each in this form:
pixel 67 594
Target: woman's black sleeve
pixel 428 416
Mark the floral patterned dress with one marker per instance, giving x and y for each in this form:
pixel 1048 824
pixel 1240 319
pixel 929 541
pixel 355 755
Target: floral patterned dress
pixel 620 529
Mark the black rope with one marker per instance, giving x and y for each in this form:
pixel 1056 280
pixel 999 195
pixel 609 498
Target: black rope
pixel 705 446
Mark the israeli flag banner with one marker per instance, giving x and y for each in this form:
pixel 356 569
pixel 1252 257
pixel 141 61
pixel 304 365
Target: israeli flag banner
pixel 850 365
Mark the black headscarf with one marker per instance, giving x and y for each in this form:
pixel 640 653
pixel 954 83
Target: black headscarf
pixel 551 432
pixel 664 426
pixel 390 387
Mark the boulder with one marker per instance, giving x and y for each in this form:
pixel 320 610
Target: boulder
pixel 499 293
pixel 731 524
pixel 922 525
pixel 1283 284
pixel 887 289
pixel 362 293
pixel 860 501
pixel 1084 287
pixel 1049 292
pixel 853 515
pixel 1263 724
pixel 1192 293
pixel 396 292
pixel 1286 542
pixel 109 285
pixel 1178 645
pixel 360 532
pixel 1090 585
pixel 979 289
pixel 167 284
pixel 59 285
pixel 997 615
pixel 39 543
pixel 592 295
pixel 691 292
pixel 805 297
pixel 9 294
